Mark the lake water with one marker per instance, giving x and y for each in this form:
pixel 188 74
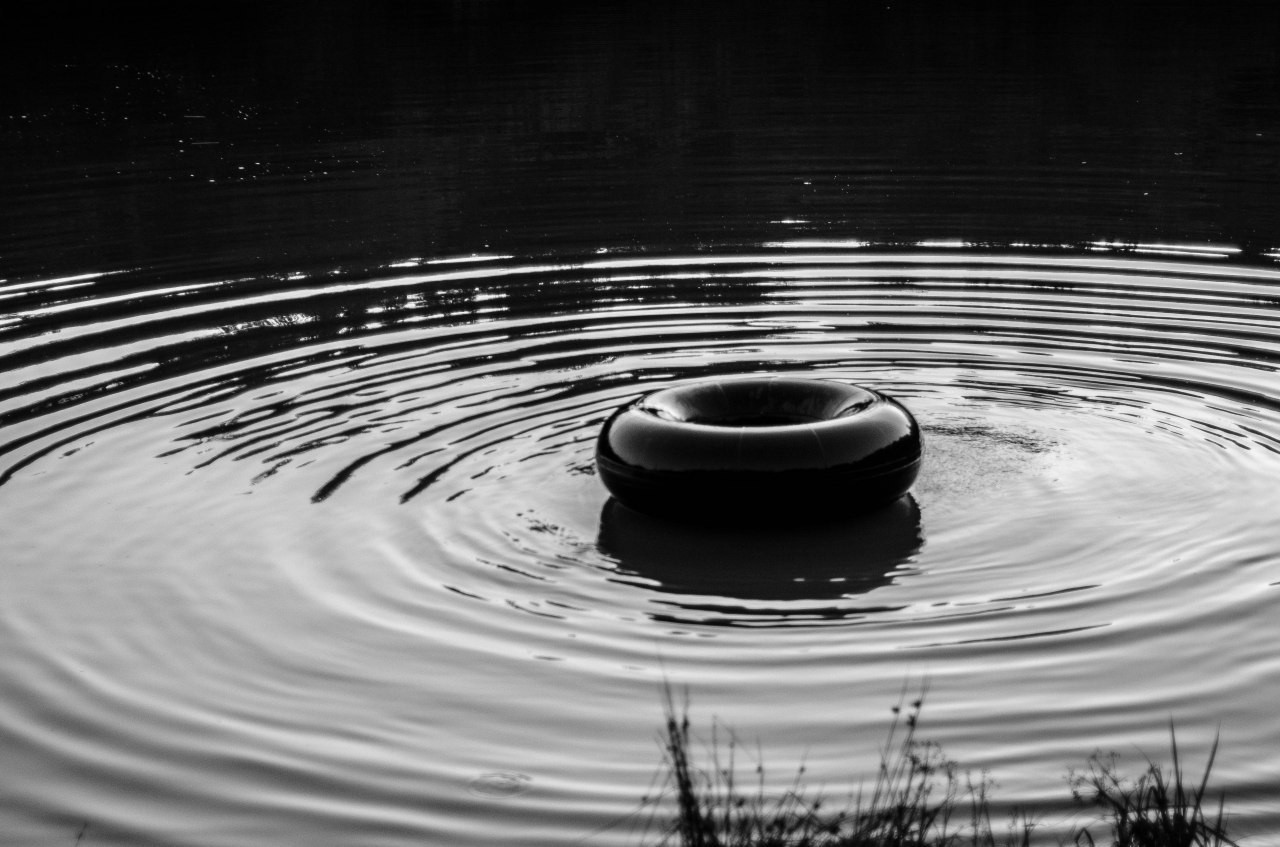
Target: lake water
pixel 309 319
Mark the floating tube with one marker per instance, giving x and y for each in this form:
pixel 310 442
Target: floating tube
pixel 759 448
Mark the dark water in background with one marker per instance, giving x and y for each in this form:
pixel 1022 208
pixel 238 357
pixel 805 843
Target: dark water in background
pixel 244 139
pixel 310 314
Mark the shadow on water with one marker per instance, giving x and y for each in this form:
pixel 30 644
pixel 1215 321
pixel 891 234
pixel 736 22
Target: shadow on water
pixel 806 562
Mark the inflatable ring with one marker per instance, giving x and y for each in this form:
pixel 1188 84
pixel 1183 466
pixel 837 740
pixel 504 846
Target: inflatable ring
pixel 768 447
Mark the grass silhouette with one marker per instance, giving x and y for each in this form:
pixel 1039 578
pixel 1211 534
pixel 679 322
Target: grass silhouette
pixel 1159 808
pixel 917 798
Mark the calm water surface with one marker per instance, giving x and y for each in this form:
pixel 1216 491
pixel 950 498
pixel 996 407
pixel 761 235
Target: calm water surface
pixel 305 346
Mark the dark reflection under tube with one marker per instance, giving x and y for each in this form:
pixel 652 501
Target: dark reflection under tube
pixel 819 561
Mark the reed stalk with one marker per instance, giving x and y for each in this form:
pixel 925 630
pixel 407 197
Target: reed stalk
pixel 918 798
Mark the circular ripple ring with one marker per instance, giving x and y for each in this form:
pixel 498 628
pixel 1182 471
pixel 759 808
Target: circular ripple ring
pixel 759 448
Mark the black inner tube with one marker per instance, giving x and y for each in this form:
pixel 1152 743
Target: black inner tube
pixel 775 447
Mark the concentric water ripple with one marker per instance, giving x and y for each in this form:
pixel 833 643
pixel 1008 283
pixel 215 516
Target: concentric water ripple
pixel 282 539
